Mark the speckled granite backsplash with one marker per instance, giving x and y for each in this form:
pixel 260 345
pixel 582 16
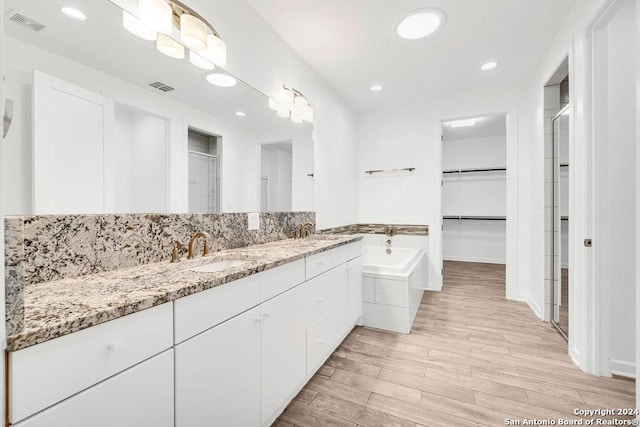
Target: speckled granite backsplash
pixel 44 248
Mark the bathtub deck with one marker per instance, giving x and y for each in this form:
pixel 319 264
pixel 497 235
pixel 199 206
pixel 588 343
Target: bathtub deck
pixel 472 358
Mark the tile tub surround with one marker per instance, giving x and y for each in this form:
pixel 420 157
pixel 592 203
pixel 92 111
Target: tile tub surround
pixel 55 247
pixel 56 308
pixel 401 229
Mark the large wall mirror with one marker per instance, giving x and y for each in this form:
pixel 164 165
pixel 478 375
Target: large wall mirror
pixel 105 123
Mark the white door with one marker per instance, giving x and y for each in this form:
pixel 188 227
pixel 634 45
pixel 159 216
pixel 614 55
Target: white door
pixel 218 375
pixel 71 128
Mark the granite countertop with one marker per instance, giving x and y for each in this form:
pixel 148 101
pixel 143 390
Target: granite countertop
pixel 56 308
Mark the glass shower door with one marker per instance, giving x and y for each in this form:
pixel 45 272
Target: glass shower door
pixel 561 223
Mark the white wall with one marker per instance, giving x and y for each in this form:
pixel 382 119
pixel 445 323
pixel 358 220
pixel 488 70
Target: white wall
pixel 410 137
pixel 141 177
pixel 259 56
pixel 276 166
pixel 572 40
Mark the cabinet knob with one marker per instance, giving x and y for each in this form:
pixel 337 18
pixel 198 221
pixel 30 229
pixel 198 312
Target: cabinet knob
pixel 257 320
pixel 266 315
pixel 320 263
pixel 320 300
pixel 320 341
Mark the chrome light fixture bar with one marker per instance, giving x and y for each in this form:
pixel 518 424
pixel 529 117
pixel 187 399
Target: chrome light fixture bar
pixel 175 28
pixel 291 103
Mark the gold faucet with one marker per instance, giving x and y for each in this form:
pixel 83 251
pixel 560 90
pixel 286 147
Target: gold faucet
pixel 193 240
pixel 305 230
pixel 175 251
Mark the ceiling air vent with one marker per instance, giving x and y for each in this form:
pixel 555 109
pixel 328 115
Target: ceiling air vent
pixel 161 86
pixel 19 18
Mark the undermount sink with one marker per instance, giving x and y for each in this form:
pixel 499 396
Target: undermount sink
pixel 324 237
pixel 215 266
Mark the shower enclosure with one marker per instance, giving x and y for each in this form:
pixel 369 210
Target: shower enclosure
pixel 561 221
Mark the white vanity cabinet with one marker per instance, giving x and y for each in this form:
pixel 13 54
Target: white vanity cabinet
pixel 44 375
pixel 233 355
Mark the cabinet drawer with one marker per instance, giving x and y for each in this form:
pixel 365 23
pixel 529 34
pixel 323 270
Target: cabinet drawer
pixel 345 253
pixel 277 280
pixel 138 397
pixel 318 263
pixel 319 342
pixel 199 312
pixel 44 374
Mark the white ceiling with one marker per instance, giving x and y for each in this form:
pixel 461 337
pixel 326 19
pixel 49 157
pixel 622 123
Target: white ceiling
pixel 353 44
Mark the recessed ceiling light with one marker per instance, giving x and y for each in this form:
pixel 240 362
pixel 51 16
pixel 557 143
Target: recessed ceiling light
pixel 222 80
pixel 73 13
pixel 240 113
pixel 488 66
pixel 375 88
pixel 420 23
pixel 462 123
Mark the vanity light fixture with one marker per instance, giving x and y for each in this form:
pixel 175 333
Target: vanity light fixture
pixel 375 88
pixel 135 26
pixel 200 62
pixel 291 103
pixel 73 13
pixel 222 80
pixel 488 66
pixel 420 23
pixel 169 46
pixel 169 18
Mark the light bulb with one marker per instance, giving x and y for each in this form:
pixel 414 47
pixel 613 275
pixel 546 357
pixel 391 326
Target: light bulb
pixel 286 97
pixel 170 47
pixel 135 26
pixel 193 32
pixel 216 51
pixel 156 14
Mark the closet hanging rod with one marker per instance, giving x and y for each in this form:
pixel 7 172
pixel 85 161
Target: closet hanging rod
pixel 473 170
pixel 371 172
pixel 477 218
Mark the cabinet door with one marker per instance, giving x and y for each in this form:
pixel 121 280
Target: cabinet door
pixel 218 375
pixel 354 280
pixel 141 396
pixel 285 321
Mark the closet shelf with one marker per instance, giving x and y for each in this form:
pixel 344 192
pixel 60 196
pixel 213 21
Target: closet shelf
pixel 371 172
pixel 450 171
pixel 474 217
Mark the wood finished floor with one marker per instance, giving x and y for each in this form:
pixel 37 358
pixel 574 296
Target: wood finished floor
pixel 472 358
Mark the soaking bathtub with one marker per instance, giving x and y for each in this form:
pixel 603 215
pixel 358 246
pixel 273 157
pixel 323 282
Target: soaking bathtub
pixel 392 287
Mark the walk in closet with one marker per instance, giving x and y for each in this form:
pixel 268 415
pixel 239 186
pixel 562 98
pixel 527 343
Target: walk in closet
pixel 474 189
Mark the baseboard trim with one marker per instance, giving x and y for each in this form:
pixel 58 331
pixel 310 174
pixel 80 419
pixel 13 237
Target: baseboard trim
pixel 472 259
pixel 622 368
pixel 534 306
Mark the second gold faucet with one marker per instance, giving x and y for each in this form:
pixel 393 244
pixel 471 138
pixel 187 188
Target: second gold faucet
pixel 194 239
